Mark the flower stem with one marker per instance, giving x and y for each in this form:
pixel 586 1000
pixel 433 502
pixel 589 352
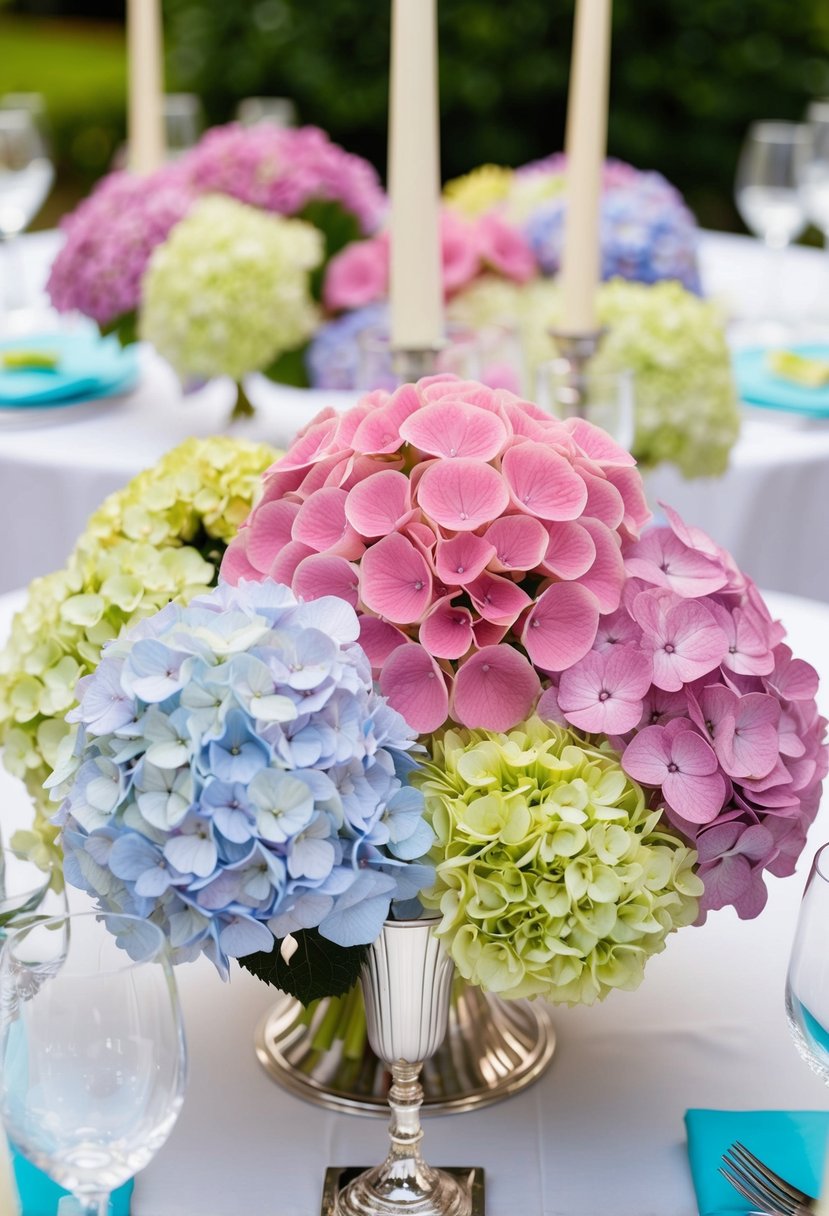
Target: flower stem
pixel 244 407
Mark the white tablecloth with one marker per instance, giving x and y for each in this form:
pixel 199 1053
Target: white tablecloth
pixel 769 510
pixel 600 1135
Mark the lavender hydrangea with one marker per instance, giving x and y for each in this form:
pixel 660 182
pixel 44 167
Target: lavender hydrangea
pixel 109 240
pixel 236 778
pixel 647 232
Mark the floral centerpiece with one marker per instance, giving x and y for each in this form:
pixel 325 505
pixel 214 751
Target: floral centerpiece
pixel 161 538
pixel 617 738
pixel 113 237
pixel 647 232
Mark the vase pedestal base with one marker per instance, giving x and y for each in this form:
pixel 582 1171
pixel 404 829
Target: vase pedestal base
pixel 337 1177
pixel 493 1049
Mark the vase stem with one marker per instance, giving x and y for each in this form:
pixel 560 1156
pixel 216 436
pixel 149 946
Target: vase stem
pixel 405 1100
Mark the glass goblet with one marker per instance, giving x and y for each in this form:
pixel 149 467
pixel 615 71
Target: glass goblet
pixel 807 982
pixel 92 1051
pixel 605 398
pixel 26 176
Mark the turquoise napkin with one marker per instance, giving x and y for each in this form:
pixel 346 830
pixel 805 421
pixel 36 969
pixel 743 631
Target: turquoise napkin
pixel 791 1142
pixel 40 1196
pixel 758 386
pixel 88 367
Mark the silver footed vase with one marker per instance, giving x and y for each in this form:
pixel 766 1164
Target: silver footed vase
pixel 407 986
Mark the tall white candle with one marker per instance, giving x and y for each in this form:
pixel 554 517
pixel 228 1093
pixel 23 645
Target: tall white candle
pixel 145 125
pixel 9 1202
pixel 586 145
pixel 416 294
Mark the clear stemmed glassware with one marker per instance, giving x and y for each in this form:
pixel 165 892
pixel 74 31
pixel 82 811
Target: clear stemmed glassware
pixel 605 398
pixel 25 892
pixel 807 983
pixel 813 167
pixel 26 176
pixel 767 191
pixel 92 1051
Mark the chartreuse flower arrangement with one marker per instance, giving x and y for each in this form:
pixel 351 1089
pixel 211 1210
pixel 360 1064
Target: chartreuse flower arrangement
pixel 229 291
pixel 238 780
pixel 161 538
pixel 554 877
pixel 687 411
pixel 613 738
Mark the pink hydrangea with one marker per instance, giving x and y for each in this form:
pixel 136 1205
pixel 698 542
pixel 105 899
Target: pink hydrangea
pixel 359 274
pixel 283 169
pixel 692 680
pixel 479 539
pixel 109 240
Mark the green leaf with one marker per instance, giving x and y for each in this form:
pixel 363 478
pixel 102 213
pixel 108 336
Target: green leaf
pixel 338 227
pixel 124 327
pixel 318 968
pixel 290 368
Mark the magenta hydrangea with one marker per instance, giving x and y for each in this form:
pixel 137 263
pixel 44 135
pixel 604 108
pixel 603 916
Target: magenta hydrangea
pixel 479 539
pixel 359 274
pixel 693 683
pixel 283 169
pixel 109 239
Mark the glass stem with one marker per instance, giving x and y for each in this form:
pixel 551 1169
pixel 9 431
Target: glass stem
pixel 96 1207
pixel 774 279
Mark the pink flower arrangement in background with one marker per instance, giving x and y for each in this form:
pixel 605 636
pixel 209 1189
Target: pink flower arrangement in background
pixel 359 274
pixel 283 169
pixel 111 235
pixel 109 239
pixel 494 557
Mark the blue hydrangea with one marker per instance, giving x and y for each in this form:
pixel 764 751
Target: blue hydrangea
pixel 647 233
pixel 333 356
pixel 236 778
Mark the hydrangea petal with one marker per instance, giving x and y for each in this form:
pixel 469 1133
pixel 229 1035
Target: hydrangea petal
pixel 447 630
pixel 542 482
pixel 494 689
pixel 462 494
pixel 321 524
pixel 396 581
pixel 322 574
pixel 452 429
pixel 462 558
pixel 378 504
pixel 520 542
pixel 416 687
pixel 561 626
pixel 570 551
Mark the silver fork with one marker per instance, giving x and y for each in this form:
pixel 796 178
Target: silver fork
pixel 762 1187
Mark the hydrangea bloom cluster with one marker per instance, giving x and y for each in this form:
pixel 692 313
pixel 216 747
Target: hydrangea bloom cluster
pixel 284 169
pixel 229 291
pixel 647 232
pixel 109 240
pixel 478 538
pixel 692 681
pixel 237 778
pixel 359 274
pixel 554 878
pixel 687 410
pixel 161 538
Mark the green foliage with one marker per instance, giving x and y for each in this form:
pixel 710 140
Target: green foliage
pixel 687 78
pixel 317 969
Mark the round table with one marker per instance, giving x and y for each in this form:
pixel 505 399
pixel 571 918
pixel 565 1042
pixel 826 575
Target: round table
pixel 600 1135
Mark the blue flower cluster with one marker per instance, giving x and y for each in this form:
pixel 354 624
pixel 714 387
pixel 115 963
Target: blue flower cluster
pixel 647 233
pixel 235 777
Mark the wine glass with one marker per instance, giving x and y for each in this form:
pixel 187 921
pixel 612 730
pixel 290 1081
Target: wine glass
pixel 26 892
pixel 183 122
pixel 92 1051
pixel 813 167
pixel 807 982
pixel 280 111
pixel 26 176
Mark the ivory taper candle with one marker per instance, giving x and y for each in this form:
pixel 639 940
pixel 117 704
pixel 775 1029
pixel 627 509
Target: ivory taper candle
pixel 586 146
pixel 9 1202
pixel 145 125
pixel 416 294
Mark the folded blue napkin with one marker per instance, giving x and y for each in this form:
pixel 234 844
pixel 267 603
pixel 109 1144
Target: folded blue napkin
pixel 793 1143
pixel 758 386
pixel 88 366
pixel 40 1196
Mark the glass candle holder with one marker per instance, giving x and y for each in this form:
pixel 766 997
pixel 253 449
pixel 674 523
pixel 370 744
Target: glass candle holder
pixel 605 398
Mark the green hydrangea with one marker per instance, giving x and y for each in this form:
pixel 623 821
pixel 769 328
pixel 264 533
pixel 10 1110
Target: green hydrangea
pixel 161 538
pixel 229 291
pixel 554 877
pixel 687 410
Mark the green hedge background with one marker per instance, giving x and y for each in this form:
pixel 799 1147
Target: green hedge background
pixel 687 76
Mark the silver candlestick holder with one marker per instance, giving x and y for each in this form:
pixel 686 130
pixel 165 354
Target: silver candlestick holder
pixel 407 986
pixel 574 354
